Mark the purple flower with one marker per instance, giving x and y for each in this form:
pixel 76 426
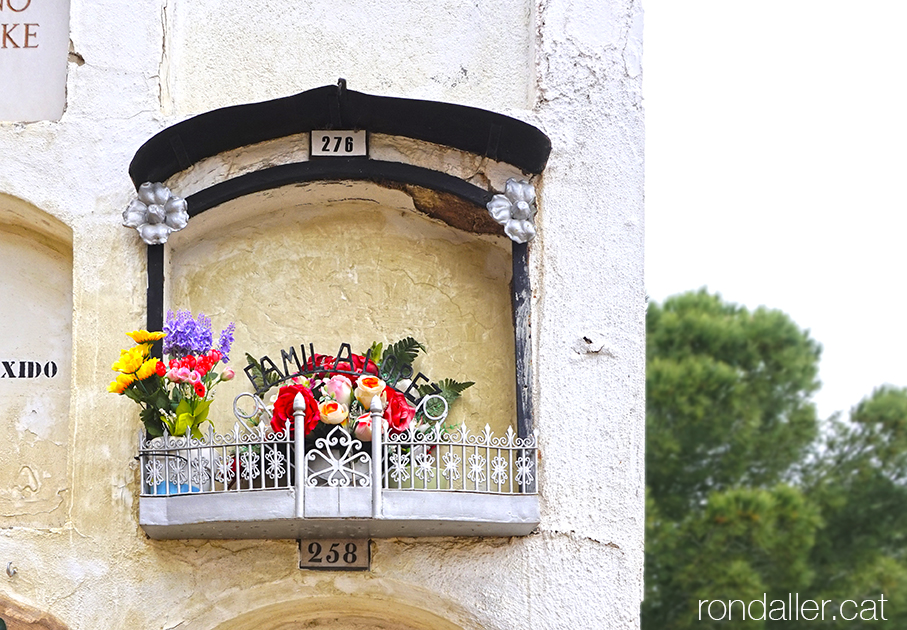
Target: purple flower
pixel 187 336
pixel 225 341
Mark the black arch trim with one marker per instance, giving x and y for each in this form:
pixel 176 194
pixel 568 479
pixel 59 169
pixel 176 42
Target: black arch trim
pixel 470 129
pixel 335 169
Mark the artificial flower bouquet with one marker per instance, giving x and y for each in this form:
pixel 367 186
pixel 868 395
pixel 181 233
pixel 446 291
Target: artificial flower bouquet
pixel 175 396
pixel 339 391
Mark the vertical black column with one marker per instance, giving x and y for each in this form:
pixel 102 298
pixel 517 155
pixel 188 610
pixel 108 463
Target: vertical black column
pixel 155 294
pixel 522 294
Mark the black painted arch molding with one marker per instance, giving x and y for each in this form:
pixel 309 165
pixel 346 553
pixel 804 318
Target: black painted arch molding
pixel 469 129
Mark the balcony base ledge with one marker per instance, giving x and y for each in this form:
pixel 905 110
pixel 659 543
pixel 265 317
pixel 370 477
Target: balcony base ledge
pixel 341 513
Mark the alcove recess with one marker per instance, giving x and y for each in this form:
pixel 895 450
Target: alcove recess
pixel 35 373
pixel 300 249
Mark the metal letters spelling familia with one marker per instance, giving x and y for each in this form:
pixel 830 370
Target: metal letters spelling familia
pixel 310 363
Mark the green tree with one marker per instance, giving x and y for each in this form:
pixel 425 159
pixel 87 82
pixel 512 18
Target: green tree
pixel 745 496
pixel 857 477
pixel 728 414
pixel 727 398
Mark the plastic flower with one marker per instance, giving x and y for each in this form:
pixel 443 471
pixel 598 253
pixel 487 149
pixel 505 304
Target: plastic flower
pixel 363 430
pixel 332 412
pixel 143 336
pixel 187 336
pixel 398 413
pixel 224 342
pixel 132 359
pixel 147 369
pixel 175 396
pixel 283 408
pixel 367 387
pixel 155 213
pixel 340 389
pixel 515 210
pixel 121 383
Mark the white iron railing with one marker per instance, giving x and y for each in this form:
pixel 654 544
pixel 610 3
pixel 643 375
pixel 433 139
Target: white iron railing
pixel 254 458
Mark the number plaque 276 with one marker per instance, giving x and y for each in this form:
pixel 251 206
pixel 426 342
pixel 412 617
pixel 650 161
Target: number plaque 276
pixel 334 555
pixel 338 143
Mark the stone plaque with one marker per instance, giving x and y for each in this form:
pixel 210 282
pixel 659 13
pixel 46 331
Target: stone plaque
pixel 34 45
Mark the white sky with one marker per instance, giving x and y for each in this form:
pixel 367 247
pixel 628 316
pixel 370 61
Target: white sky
pixel 776 164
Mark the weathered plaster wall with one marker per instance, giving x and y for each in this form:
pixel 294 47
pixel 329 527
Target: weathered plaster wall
pixel 465 52
pixel 569 66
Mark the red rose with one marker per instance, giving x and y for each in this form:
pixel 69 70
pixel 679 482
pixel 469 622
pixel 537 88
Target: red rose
pixel 330 363
pixel 160 369
pixel 283 409
pixel 398 412
pixel 359 365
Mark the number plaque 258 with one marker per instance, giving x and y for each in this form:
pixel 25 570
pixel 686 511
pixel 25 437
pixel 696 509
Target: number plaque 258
pixel 338 143
pixel 334 555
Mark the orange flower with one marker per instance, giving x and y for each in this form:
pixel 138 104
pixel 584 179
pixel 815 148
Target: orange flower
pixel 148 368
pixel 121 383
pixel 332 412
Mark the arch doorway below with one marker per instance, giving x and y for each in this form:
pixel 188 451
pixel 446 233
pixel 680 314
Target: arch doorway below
pixel 339 613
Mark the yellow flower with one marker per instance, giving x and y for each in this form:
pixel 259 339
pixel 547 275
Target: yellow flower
pixel 121 383
pixel 143 336
pixel 146 370
pixel 132 359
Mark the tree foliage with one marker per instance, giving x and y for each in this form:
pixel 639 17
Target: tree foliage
pixel 727 397
pixel 746 496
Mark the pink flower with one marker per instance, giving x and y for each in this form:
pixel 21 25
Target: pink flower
pixel 341 388
pixel 227 374
pixel 363 429
pixel 194 377
pixel 398 413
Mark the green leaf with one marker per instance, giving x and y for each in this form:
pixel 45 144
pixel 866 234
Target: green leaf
pixel 406 350
pixel 452 387
pixel 256 373
pixel 161 400
pixel 134 393
pixel 447 388
pixel 374 350
pixel 152 421
pixel 183 423
pixel 183 407
pixel 201 411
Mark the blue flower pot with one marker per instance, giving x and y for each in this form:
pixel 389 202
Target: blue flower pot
pixel 172 488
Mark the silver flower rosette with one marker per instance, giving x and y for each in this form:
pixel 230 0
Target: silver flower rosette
pixel 155 213
pixel 515 210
